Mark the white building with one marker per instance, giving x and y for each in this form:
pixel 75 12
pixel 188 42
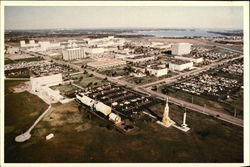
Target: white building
pixel 157 71
pixel 98 106
pixel 181 48
pixel 30 44
pixel 180 65
pixel 190 58
pixel 41 87
pixel 12 50
pixel 95 50
pixel 36 82
pixel 106 63
pixel 46 45
pixel 73 53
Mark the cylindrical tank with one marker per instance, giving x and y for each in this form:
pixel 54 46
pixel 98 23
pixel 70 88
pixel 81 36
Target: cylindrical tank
pixel 85 100
pixel 99 106
pixel 115 118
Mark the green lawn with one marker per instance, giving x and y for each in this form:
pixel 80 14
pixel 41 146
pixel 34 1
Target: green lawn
pixel 9 61
pixel 81 139
pixel 86 80
pixel 21 110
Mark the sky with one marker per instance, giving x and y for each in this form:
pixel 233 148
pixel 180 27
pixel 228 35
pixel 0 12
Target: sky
pixel 70 17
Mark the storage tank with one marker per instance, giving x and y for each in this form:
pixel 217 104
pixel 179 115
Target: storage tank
pixel 85 100
pixel 99 106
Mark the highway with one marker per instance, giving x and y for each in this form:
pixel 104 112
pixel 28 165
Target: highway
pixel 144 89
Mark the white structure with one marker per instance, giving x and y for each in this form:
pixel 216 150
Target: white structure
pixel 46 45
pixel 181 48
pixel 180 65
pixel 98 106
pixel 190 58
pixel 106 63
pixel 30 44
pixel 37 82
pixel 22 43
pixel 166 121
pixel 184 126
pixel 157 71
pixel 103 108
pixel 95 50
pixel 41 87
pixel 48 137
pixel 73 53
pixel 12 50
pixel 114 118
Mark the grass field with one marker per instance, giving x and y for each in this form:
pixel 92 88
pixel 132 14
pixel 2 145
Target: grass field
pixel 65 89
pixel 147 79
pixel 21 110
pixel 9 61
pixel 228 106
pixel 86 80
pixel 81 138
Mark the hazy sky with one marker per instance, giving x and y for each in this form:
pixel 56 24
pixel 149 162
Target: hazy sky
pixel 17 17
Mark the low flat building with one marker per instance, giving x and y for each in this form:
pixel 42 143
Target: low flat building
pixel 36 82
pixel 157 71
pixel 106 63
pixel 73 53
pixel 180 65
pixel 190 58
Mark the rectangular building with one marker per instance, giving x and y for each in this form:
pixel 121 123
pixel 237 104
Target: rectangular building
pixel 181 48
pixel 157 71
pixel 73 53
pixel 37 82
pixel 180 65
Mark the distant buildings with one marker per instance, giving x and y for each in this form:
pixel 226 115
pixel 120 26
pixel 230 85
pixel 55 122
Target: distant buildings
pixel 106 63
pixel 73 53
pixel 30 44
pixel 181 48
pixel 138 59
pixel 180 65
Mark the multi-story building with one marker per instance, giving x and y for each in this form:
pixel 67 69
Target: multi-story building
pixel 73 53
pixel 181 48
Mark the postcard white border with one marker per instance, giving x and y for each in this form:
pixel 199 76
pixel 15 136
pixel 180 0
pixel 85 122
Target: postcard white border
pixel 245 6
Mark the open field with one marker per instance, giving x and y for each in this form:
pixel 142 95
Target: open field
pixel 227 106
pixel 65 89
pixel 12 61
pixel 147 79
pixel 81 137
pixel 87 80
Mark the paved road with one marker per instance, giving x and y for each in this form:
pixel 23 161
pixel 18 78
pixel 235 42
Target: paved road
pixel 143 89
